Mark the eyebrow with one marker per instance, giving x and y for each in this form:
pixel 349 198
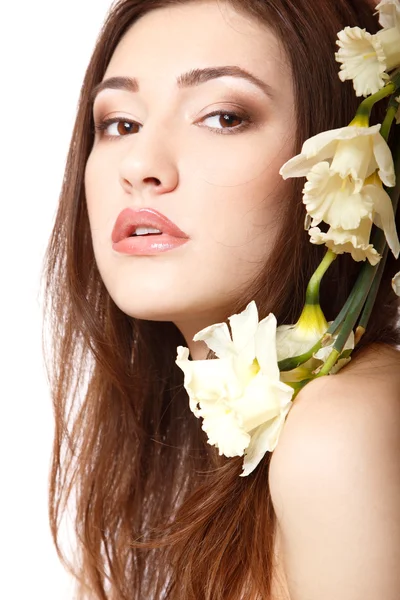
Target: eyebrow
pixel 190 79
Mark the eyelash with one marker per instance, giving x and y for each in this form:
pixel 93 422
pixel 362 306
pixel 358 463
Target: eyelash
pixel 247 122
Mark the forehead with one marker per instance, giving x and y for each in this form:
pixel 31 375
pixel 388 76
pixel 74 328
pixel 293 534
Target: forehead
pixel 173 39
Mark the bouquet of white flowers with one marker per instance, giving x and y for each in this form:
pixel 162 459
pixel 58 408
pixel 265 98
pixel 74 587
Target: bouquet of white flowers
pixel 244 395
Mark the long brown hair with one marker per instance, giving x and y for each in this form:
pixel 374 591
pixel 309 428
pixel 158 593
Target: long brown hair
pixel 127 449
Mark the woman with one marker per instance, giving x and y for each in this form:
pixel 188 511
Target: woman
pixel 159 514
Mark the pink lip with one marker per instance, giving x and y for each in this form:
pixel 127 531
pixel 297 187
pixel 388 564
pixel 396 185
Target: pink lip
pixel 129 219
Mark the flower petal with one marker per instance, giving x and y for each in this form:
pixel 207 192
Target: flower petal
pixel 290 341
pixel 300 165
pixel 389 40
pixel 208 380
pixel 264 439
pixel 384 160
pixel 261 401
pixel 224 431
pixel 218 339
pixel 384 215
pixel 322 140
pixel 265 347
pixel 389 13
pixel 294 340
pixel 244 327
pixel 396 283
pixel 316 149
pixel 322 147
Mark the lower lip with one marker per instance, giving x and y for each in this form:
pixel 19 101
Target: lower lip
pixel 147 245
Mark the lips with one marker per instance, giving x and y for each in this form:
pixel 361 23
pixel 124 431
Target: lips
pixel 129 219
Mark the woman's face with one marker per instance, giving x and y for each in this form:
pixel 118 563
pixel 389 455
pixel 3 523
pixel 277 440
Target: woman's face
pixel 215 177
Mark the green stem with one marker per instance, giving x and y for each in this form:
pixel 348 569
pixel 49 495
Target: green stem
pixel 312 293
pixel 331 361
pixel 388 121
pixel 395 79
pixel 332 329
pixel 363 113
pixel 369 304
pixel 355 308
pixel 288 364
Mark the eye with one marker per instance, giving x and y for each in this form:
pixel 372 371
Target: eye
pixel 229 121
pixel 122 127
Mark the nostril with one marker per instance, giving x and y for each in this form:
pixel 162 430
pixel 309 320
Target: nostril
pixel 154 180
pixel 126 182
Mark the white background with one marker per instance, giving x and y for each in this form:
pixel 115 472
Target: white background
pixel 45 46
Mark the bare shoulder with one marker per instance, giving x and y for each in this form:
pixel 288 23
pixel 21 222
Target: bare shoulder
pixel 367 390
pixel 352 411
pixel 335 482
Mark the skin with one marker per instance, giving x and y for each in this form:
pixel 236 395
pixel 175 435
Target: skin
pixel 335 484
pixel 222 189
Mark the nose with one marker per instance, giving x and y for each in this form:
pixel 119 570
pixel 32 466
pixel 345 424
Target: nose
pixel 148 165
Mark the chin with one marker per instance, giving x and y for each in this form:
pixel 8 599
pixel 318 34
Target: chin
pixel 161 306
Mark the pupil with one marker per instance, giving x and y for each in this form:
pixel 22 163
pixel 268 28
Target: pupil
pixel 123 127
pixel 229 118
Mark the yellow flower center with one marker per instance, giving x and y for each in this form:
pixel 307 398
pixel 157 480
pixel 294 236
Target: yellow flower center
pixel 254 368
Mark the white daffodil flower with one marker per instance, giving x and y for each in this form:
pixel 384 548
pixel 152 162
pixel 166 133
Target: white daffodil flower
pixel 352 151
pixel 353 241
pixel 239 395
pixel 366 59
pixel 335 201
pixel 389 13
pixel 396 283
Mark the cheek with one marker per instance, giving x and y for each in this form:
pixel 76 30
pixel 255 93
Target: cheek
pixel 245 203
pixel 244 162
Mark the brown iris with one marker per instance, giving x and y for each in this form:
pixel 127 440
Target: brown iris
pixel 227 120
pixel 125 127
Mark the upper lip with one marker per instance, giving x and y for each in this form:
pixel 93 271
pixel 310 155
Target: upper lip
pixel 129 219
